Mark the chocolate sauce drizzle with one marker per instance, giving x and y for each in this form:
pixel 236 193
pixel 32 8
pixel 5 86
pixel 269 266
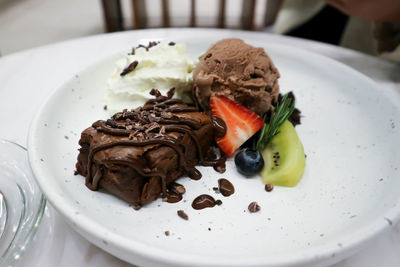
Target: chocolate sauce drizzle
pixel 203 201
pixel 225 187
pixel 149 125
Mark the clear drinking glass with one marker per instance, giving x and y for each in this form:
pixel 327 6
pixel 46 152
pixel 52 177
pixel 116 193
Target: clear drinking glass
pixel 21 203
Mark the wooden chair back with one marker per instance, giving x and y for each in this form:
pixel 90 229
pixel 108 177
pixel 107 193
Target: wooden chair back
pixel 113 17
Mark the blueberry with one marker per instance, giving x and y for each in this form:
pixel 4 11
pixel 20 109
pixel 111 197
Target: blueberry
pixel 249 161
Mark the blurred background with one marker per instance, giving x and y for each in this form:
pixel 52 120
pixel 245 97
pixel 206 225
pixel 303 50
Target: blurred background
pixel 29 23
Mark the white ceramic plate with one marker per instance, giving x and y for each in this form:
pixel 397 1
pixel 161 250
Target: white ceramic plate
pixel 349 192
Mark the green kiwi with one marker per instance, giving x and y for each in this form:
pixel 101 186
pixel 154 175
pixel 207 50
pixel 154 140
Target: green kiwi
pixel 284 158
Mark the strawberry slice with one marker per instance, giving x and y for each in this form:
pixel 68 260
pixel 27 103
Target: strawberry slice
pixel 241 123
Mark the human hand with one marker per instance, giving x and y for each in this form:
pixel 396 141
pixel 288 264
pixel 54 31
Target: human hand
pixel 376 10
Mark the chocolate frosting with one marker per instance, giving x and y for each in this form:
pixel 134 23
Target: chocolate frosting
pixel 136 154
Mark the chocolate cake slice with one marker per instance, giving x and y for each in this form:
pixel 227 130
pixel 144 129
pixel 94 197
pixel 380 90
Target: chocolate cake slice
pixel 137 154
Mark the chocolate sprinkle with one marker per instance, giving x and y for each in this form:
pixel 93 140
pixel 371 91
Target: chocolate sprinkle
pixel 167 233
pixel 183 215
pixel 150 45
pixel 254 207
pixel 171 43
pixel 130 68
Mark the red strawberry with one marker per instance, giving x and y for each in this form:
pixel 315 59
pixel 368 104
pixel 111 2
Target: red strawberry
pixel 241 123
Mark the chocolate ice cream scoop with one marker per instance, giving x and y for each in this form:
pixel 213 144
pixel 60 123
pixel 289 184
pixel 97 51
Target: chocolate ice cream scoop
pixel 240 71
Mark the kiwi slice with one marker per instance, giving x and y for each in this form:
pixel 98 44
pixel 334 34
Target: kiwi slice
pixel 284 158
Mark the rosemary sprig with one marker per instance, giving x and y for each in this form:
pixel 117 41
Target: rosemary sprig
pixel 281 113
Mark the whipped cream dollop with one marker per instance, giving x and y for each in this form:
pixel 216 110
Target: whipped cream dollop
pixel 161 66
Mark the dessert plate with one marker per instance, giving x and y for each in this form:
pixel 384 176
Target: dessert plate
pixel 349 191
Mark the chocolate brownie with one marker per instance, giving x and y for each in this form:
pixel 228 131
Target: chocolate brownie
pixel 137 154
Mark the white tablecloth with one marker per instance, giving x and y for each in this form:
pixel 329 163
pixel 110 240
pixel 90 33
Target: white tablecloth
pixel 27 78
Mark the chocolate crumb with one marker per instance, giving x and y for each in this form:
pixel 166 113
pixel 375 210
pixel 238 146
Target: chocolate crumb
pixel 209 229
pixel 171 43
pixel 167 233
pixel 215 189
pixel 218 202
pixel 130 68
pixel 183 215
pixel 136 206
pixel 105 107
pixel 269 187
pixel 254 207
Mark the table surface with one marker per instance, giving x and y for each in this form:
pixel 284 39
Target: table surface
pixel 28 77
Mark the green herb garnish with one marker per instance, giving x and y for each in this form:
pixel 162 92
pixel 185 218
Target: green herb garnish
pixel 281 113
